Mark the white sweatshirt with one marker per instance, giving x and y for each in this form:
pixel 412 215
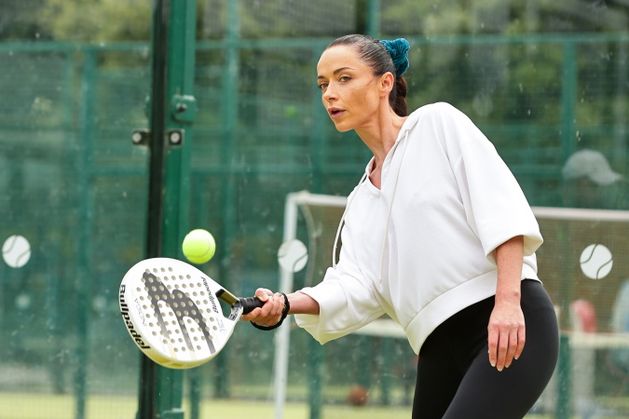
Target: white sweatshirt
pixel 420 248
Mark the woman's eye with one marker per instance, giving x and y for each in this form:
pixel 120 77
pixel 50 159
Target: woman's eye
pixel 344 78
pixel 322 86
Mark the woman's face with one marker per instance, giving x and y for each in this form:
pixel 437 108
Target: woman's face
pixel 350 92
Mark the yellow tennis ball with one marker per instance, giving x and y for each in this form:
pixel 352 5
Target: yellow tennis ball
pixel 198 246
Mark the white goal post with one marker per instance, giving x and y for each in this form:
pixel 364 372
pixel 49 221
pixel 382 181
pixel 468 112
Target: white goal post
pixel 282 337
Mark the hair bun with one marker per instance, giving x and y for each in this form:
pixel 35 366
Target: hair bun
pixel 398 50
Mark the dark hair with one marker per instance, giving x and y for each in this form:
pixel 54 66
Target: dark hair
pixel 374 54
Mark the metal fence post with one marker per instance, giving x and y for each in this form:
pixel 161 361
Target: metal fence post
pixel 568 141
pixel 83 277
pixel 228 146
pixel 172 110
pixel 564 382
pixel 568 97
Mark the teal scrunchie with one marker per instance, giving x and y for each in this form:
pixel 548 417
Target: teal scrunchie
pixel 398 50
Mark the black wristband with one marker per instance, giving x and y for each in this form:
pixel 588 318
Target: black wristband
pixel 278 324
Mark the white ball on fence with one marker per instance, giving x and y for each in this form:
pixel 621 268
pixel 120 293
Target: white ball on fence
pixel 596 261
pixel 16 251
pixel 292 255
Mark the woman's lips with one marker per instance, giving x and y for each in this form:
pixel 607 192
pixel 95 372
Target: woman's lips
pixel 335 112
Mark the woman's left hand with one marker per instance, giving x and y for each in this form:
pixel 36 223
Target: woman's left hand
pixel 506 334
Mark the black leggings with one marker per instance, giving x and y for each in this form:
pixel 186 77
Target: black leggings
pixel 455 380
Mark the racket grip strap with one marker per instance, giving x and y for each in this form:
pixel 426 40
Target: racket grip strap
pixel 284 315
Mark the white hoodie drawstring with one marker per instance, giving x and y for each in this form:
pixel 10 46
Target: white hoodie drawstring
pixel 341 223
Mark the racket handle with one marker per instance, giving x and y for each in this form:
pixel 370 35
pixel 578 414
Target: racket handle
pixel 249 303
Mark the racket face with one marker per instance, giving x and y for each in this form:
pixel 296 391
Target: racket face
pixel 172 313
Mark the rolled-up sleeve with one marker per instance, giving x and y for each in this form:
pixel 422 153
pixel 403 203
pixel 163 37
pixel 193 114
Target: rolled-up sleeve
pixel 346 303
pixel 496 207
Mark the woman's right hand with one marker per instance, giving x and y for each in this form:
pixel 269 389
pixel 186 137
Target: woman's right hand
pixel 270 313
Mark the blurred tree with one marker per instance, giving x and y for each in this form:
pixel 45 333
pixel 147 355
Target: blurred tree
pixel 129 20
pixel 449 17
pixel 17 20
pixel 520 78
pixel 97 21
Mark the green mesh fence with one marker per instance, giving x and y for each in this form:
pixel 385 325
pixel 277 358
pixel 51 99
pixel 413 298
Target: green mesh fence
pixel 75 187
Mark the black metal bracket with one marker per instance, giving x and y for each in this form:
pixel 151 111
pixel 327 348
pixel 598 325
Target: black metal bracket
pixel 174 137
pixel 140 137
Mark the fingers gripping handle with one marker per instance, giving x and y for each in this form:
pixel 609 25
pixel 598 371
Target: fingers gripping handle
pixel 249 303
pixel 285 312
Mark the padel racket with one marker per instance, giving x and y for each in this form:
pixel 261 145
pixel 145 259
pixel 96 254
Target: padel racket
pixel 173 313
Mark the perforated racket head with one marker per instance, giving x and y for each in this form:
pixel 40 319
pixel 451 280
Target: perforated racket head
pixel 172 312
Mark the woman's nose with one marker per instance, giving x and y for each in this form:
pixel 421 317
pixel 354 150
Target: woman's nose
pixel 329 93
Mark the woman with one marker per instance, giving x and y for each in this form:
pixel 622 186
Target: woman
pixel 439 236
